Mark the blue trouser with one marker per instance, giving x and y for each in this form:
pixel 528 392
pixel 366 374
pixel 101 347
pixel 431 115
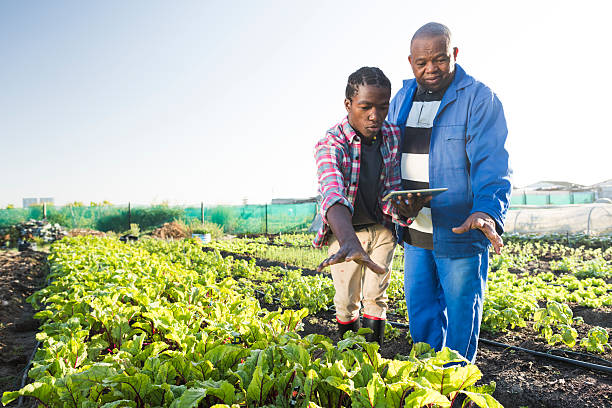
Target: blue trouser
pixel 444 298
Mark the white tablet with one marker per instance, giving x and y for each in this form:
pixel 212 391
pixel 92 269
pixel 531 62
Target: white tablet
pixel 424 192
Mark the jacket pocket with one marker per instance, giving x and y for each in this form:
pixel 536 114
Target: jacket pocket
pixel 452 147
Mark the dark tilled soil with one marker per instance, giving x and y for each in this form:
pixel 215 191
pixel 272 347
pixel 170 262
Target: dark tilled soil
pixel 522 380
pixel 21 274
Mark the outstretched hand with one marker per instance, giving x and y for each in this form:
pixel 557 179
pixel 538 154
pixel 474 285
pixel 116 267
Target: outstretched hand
pixel 352 251
pixel 484 223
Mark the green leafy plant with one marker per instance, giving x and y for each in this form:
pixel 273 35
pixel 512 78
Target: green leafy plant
pixel 197 227
pixel 165 324
pixel 596 340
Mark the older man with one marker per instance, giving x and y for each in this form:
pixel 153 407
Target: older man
pixel 453 135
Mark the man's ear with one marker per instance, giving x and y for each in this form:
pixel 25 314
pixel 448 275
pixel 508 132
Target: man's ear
pixel 347 104
pixel 410 59
pixel 455 52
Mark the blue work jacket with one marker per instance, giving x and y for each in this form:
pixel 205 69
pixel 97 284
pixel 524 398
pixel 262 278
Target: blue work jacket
pixel 466 155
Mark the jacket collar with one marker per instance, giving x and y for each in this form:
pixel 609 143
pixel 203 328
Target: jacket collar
pixel 461 80
pixel 350 134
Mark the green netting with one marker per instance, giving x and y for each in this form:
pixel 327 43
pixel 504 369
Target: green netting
pixel 248 219
pixel 517 199
pixel 258 219
pixel 584 198
pixel 560 198
pixel 533 199
pixel 553 198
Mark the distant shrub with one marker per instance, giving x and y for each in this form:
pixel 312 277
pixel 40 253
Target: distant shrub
pixel 215 230
pixel 146 218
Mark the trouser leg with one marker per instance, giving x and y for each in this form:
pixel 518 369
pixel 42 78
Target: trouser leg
pixel 381 249
pixel 347 277
pixel 375 299
pixel 463 281
pixel 424 297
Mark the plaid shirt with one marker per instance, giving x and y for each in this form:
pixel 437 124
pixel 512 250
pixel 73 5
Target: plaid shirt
pixel 338 157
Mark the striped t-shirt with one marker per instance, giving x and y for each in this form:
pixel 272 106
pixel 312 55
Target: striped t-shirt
pixel 415 161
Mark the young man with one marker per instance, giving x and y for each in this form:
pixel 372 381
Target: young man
pixel 357 166
pixel 453 135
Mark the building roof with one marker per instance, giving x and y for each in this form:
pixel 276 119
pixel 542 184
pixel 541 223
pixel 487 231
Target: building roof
pixel 554 185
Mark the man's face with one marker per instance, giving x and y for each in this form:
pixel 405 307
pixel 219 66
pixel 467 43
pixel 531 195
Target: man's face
pixel 433 62
pixel 367 109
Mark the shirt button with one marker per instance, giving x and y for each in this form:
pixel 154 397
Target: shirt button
pixel 357 157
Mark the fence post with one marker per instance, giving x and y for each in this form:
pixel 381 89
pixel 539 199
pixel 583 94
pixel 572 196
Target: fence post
pixel 266 209
pixel 129 215
pixel 44 211
pixel 202 211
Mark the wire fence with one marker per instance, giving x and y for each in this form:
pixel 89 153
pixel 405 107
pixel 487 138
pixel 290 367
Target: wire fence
pixel 245 219
pixel 589 219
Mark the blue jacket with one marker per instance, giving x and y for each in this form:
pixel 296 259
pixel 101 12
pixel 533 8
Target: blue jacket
pixel 466 155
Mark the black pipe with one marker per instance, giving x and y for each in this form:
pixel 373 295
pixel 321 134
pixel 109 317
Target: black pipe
pixel 590 366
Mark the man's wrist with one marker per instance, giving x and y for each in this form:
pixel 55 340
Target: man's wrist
pixel 349 239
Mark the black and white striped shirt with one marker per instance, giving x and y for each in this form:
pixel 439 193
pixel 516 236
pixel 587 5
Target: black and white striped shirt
pixel 415 161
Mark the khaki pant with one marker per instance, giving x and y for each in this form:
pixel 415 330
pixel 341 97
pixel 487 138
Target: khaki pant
pixel 357 284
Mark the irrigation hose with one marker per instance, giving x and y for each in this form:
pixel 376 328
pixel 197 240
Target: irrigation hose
pixel 578 353
pixel 25 372
pixel 583 364
pixel 579 363
pixel 590 366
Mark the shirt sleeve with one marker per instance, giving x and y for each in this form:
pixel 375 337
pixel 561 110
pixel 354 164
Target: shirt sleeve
pixel 330 176
pixel 489 160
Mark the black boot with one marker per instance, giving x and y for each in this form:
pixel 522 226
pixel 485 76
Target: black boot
pixel 344 327
pixel 378 327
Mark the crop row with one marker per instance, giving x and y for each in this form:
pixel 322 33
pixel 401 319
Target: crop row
pixel 516 292
pixel 154 324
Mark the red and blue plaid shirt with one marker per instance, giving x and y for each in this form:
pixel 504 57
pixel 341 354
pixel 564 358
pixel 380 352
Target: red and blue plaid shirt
pixel 338 157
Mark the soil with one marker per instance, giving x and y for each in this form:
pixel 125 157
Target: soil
pixel 21 274
pixel 523 380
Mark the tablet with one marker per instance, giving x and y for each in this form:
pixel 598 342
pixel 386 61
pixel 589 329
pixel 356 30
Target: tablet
pixel 424 192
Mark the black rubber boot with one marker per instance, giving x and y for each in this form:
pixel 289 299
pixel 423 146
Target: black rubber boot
pixel 344 327
pixel 378 327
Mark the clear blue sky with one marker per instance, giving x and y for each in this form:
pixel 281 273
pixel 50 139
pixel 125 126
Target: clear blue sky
pixel 217 101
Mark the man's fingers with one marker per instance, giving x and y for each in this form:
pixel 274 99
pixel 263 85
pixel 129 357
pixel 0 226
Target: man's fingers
pixel 494 237
pixel 365 260
pixel 338 257
pixel 462 228
pixel 374 267
pixel 359 257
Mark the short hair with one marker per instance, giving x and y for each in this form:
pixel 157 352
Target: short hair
pixel 432 29
pixel 366 76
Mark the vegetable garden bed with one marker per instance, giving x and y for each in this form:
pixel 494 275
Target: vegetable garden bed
pixel 21 274
pixel 165 324
pixel 522 379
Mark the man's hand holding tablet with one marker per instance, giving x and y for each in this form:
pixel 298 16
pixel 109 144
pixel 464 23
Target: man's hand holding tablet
pixel 409 202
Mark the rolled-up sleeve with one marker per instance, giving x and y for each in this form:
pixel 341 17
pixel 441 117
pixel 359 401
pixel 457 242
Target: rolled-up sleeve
pixel 490 169
pixel 331 178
